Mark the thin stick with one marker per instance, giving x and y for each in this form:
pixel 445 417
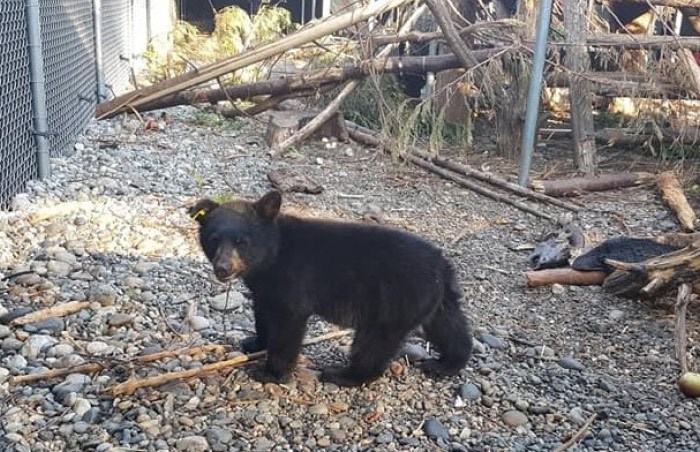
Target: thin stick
pixel 684 293
pixel 133 384
pixel 54 311
pixel 90 368
pixel 578 435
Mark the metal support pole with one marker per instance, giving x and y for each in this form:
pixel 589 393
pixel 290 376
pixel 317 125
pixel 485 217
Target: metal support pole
pixel 38 88
pixel 99 65
pixel 534 91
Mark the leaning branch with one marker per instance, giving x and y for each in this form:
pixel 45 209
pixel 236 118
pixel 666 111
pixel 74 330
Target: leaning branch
pixel 134 99
pixel 372 140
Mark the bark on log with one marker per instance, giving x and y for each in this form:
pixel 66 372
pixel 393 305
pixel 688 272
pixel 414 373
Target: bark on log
pixel 673 196
pixel 577 61
pixel 655 276
pixel 580 185
pixel 156 91
pixel 566 276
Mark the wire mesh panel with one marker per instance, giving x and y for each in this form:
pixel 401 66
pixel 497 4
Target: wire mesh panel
pixel 115 44
pixel 69 59
pixel 17 155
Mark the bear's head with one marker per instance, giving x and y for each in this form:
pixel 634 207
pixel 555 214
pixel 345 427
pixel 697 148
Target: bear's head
pixel 240 236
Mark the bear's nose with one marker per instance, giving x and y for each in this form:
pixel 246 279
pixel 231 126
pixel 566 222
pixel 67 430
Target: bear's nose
pixel 221 271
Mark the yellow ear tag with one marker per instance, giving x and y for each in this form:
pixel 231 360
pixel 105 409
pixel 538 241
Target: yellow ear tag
pixel 200 213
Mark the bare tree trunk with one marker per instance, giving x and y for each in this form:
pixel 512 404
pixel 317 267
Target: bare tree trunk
pixel 580 97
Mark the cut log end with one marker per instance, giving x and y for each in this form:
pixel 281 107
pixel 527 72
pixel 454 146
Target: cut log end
pixel 283 125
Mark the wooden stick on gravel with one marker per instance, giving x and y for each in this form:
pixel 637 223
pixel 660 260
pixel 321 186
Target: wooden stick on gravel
pixel 54 311
pixel 133 384
pixel 672 194
pixel 90 368
pixel 684 294
pixel 578 435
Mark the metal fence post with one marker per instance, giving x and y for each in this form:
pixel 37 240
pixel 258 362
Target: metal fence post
pixel 38 88
pixel 534 91
pixel 99 65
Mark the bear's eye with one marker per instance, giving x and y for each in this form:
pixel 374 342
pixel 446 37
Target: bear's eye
pixel 241 241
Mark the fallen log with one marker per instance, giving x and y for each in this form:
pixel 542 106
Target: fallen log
pixel 132 100
pixel 466 170
pixel 371 140
pixel 673 196
pixel 654 276
pixel 305 81
pixel 566 276
pixel 580 185
pixel 495 180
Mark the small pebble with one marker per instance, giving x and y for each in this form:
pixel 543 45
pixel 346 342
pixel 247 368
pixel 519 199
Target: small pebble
pixel 514 418
pixel 570 363
pixel 434 429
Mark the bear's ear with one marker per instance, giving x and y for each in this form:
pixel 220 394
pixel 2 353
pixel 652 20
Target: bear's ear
pixel 201 209
pixel 268 207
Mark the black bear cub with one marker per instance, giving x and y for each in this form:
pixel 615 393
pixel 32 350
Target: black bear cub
pixel 382 282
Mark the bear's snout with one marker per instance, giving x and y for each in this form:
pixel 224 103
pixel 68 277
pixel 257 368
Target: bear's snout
pixel 228 265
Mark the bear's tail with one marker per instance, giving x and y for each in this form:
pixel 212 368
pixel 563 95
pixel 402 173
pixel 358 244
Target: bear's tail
pixel 448 329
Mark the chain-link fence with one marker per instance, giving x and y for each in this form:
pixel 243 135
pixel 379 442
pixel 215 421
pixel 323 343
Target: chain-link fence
pixel 69 63
pixel 17 156
pixel 71 72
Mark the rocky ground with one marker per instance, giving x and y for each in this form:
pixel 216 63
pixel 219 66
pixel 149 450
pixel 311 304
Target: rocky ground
pixel 109 229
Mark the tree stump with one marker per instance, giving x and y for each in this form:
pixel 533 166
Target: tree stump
pixel 283 124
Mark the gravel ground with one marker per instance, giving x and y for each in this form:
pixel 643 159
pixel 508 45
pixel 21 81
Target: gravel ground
pixel 546 359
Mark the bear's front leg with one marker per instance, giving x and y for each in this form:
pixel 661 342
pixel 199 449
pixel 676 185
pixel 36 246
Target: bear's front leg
pixel 258 342
pixel 285 334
